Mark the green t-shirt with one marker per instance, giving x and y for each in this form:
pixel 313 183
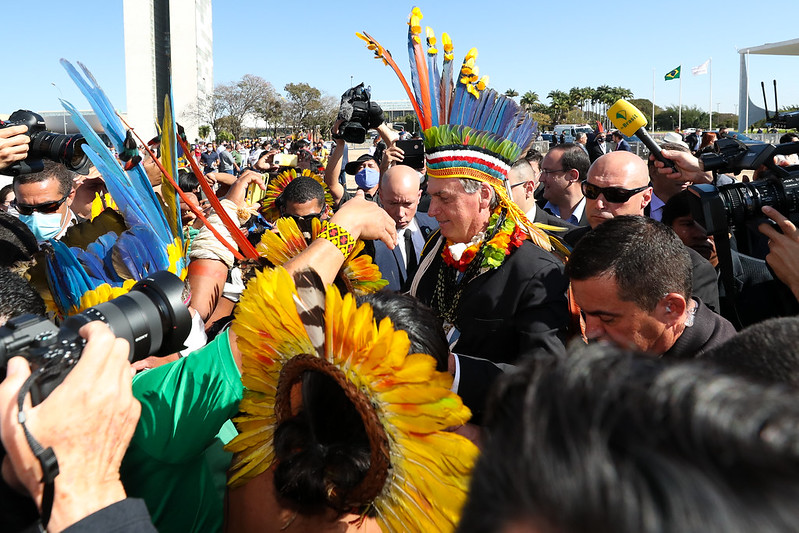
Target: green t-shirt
pixel 175 461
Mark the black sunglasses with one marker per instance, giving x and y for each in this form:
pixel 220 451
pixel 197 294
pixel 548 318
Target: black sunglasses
pixel 46 207
pixel 614 195
pixel 303 218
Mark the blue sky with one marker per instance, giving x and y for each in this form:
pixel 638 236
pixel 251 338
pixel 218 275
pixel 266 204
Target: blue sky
pixel 536 46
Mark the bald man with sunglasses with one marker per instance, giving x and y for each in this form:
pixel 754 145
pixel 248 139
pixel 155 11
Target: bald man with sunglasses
pixel 618 184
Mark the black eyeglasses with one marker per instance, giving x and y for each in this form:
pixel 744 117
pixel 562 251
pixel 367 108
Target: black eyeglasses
pixel 45 207
pixel 546 171
pixel 520 183
pixel 614 195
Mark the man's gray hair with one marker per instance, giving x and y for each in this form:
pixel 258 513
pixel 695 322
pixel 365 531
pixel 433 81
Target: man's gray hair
pixel 472 186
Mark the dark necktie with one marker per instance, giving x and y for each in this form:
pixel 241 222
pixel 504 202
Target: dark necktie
pixel 410 256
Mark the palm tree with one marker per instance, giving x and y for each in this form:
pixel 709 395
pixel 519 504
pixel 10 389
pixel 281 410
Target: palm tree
pixel 604 98
pixel 529 99
pixel 510 93
pixel 560 104
pixel 590 96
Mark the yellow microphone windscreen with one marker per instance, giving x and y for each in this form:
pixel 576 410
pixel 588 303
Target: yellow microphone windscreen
pixel 626 117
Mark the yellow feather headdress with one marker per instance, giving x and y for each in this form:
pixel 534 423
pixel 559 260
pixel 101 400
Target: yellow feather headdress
pixel 419 472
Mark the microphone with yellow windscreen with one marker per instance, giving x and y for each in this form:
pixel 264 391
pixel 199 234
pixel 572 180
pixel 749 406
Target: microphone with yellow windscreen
pixel 630 121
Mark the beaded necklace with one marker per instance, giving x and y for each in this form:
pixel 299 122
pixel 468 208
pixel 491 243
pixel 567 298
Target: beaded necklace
pixel 483 254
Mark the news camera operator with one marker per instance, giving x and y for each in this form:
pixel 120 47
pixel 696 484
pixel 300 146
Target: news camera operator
pixel 357 114
pixel 783 256
pixel 88 432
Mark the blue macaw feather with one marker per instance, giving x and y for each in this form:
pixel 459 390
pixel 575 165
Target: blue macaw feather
pixel 66 276
pixel 137 176
pixel 445 92
pixel 434 81
pixel 417 89
pixel 98 261
pixel 138 256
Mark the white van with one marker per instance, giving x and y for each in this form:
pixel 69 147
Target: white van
pixel 570 131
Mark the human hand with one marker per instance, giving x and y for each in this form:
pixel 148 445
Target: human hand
pixel 88 421
pixel 238 190
pixel 783 256
pixel 13 145
pixel 366 220
pixel 392 156
pixel 335 133
pixel 688 168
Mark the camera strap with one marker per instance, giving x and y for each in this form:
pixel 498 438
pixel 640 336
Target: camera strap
pixel 45 456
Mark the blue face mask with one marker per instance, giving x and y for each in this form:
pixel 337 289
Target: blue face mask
pixel 367 177
pixel 43 225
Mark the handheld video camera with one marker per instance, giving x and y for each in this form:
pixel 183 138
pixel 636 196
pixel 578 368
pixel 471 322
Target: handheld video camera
pixel 737 205
pixel 151 317
pixel 359 114
pixel 64 149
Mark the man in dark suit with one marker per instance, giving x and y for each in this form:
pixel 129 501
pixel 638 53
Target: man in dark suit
pixel 596 146
pixel 495 316
pixel 523 180
pixel 621 144
pixel 399 195
pixel 563 168
pixel 623 177
pixel 631 277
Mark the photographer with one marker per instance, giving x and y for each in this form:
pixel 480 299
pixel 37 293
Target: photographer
pixel 13 145
pixel 88 433
pixel 356 114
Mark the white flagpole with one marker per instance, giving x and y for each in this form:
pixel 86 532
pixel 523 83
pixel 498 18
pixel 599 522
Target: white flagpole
pixel 653 99
pixel 679 116
pixel 710 72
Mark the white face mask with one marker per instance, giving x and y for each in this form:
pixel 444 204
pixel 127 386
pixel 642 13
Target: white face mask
pixel 43 225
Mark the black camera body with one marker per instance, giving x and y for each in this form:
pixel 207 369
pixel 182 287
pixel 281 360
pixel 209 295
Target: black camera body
pixel 151 317
pixel 737 205
pixel 359 114
pixel 64 149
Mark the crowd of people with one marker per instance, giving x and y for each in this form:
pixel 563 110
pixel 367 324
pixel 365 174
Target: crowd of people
pixel 495 339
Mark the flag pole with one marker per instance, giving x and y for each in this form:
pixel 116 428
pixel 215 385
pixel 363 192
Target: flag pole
pixel 653 99
pixel 679 116
pixel 710 72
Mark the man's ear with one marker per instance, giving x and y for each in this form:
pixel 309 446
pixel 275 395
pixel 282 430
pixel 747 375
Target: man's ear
pixel 646 197
pixel 574 175
pixel 485 195
pixel 671 308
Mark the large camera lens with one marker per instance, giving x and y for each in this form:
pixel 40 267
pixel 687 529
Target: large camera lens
pixel 64 149
pixel 152 316
pixel 743 201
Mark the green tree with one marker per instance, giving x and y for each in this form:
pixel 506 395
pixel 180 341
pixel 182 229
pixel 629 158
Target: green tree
pixel 204 131
pixel 302 101
pixel 224 135
pixel 511 93
pixel 560 105
pixel 241 99
pixel 645 106
pixel 529 99
pixel 692 117
pixel 544 120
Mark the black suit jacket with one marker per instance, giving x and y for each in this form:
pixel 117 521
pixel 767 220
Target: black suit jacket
pixel 703 275
pixel 594 149
pixel 516 311
pixel 709 330
pixel 390 262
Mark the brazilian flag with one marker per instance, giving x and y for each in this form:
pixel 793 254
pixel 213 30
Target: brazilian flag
pixel 673 74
